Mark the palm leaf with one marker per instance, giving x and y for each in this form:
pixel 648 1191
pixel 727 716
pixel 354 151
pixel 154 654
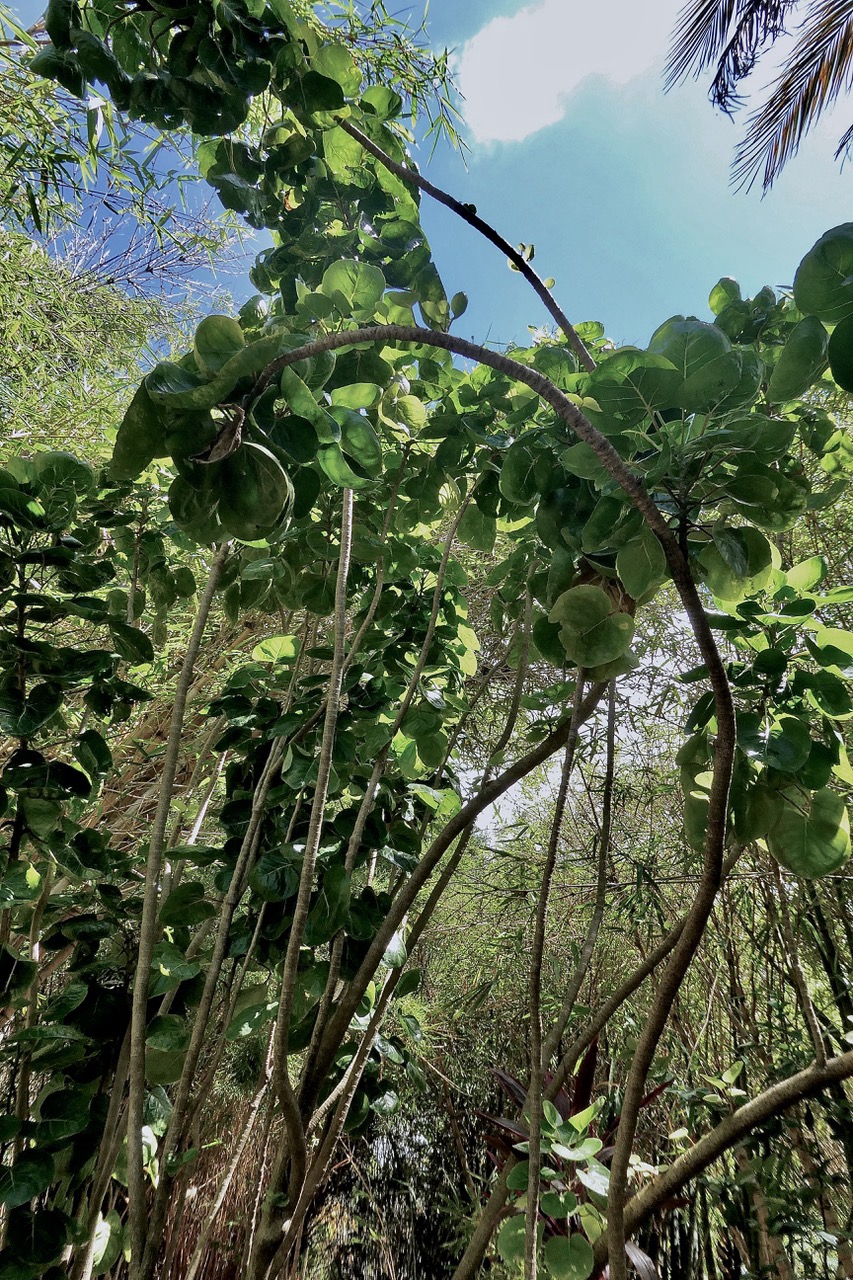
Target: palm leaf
pixel 700 34
pixel 732 33
pixel 819 69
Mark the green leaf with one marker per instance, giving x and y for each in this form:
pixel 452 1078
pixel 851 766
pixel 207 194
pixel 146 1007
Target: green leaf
pixel 517 480
pixel 830 696
pixel 320 93
pixel 811 836
pixel 801 363
pixel 55 469
pixel 591 631
pixel 841 354
pixel 641 564
pixel 383 102
pixel 253 1009
pixel 725 291
pixel 358 395
pixel 396 953
pixel 217 339
pixel 806 574
pixel 510 1240
pixel 557 364
pixel 823 285
pixel 458 305
pixel 737 563
pixel 31 1174
pixel 186 905
pixel 336 63
pixel 22 719
pixel 167 1032
pixel 130 643
pixel 255 493
pixel 141 438
pixel 170 967
pixel 35 1238
pixel 477 529
pixel 275 875
pixel 518 1176
pixel 329 911
pixel 338 470
pixel 358 440
pixel 633 385
pixel 408 984
pixel 276 649
pixel 93 753
pixel 834 647
pixel 353 286
pixel 569 1258
pixel 109 1235
pixel 787 745
pixel 173 386
pixel 558 1204
pixel 703 356
pixel 64 1113
pixel 62 66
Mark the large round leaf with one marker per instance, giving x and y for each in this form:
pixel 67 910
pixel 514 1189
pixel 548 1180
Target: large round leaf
pixel 703 356
pixel 217 339
pixel 569 1258
pixel 641 564
pixel 632 385
pixel 358 440
pixel 517 479
pixel 31 1174
pixel 801 363
pixel 811 836
pixel 823 285
pixel 178 388
pixel 194 511
pixel 841 354
pixel 591 630
pixel 255 492
pixel 338 469
pixel 353 286
pixel 141 438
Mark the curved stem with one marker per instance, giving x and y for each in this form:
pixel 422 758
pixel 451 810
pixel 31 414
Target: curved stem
pixel 469 214
pixel 679 568
pixel 485 797
pixel 724 1136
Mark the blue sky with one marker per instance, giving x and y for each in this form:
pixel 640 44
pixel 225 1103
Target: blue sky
pixel 624 190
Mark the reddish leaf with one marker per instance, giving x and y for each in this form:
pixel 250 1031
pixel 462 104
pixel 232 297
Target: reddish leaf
pixel 640 1261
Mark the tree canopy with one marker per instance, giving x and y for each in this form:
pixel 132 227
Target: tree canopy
pixel 374 697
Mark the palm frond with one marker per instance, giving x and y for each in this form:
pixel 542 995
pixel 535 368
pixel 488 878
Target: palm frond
pixel 759 23
pixel 842 151
pixel 700 34
pixel 819 69
pixel 732 33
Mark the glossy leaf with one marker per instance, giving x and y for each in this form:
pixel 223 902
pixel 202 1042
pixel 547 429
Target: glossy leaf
pixel 811 836
pixel 823 285
pixel 569 1258
pixel 841 354
pixel 803 360
pixel 591 630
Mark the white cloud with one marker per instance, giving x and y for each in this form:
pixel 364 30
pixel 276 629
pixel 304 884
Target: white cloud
pixel 517 73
